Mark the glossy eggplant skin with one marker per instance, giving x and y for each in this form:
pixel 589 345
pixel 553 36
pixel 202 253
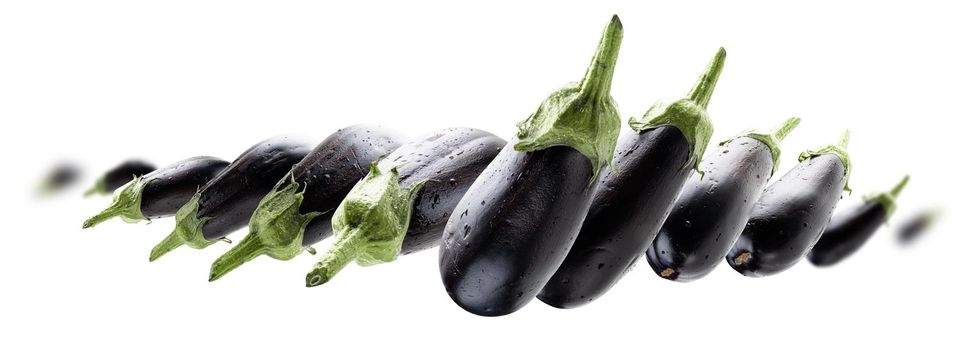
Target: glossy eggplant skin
pixel 789 217
pixel 514 227
pixel 451 159
pixel 168 188
pixel 123 173
pixel 333 167
pixel 711 211
pixel 629 207
pixel 847 232
pixel 229 199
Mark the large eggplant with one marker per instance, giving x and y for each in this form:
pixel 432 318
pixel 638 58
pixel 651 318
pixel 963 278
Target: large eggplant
pixel 714 207
pixel 226 202
pixel 162 192
pixel 402 206
pixel 297 213
pixel 650 166
pixel 516 224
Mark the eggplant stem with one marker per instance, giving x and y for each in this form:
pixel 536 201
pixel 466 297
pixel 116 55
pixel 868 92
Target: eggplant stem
pixel 103 216
pixel 343 251
pixel 701 93
pixel 786 128
pixel 843 140
pixel 99 187
pixel 169 243
pixel 248 249
pixel 596 83
pixel 898 188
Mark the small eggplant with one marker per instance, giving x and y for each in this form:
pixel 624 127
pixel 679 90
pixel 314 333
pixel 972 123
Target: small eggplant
pixel 59 178
pixel 290 219
pixel 512 230
pixel 119 176
pixel 792 212
pixel 162 192
pixel 226 202
pixel 849 230
pixel 918 224
pixel 714 207
pixel 650 167
pixel 403 205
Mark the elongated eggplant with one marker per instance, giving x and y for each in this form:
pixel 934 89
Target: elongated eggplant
pixel 119 176
pixel 849 230
pixel 162 192
pixel 297 213
pixel 227 201
pixel 403 205
pixel 918 224
pixel 792 212
pixel 714 207
pixel 650 167
pixel 512 230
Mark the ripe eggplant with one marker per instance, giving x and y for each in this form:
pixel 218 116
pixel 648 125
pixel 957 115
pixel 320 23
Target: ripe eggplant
pixel 403 204
pixel 512 230
pixel 792 212
pixel 226 202
pixel 650 167
pixel 714 207
pixel 119 176
pixel 162 192
pixel 849 230
pixel 59 178
pixel 918 224
pixel 290 219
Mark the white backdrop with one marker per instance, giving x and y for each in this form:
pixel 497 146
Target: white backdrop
pixel 100 81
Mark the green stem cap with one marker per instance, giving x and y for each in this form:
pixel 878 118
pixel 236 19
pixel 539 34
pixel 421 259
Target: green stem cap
pixel 189 231
pixel 126 204
pixel 839 149
pixel 370 224
pixel 582 115
pixel 688 114
pixel 97 188
pixel 772 139
pixel 888 199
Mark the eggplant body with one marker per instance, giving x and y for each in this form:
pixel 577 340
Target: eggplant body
pixel 711 211
pixel 169 188
pixel 789 217
pixel 123 173
pixel 513 228
pixel 451 159
pixel 847 232
pixel 629 207
pixel 228 200
pixel 333 167
pixel 910 231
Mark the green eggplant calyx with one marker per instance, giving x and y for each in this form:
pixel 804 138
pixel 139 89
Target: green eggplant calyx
pixel 771 139
pixel 189 231
pixel 888 199
pixel 369 225
pixel 276 229
pixel 582 115
pixel 98 188
pixel 688 114
pixel 126 204
pixel 839 149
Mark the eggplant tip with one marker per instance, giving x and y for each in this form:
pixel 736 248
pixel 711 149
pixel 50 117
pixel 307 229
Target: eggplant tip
pixel 742 258
pixel 668 273
pixel 314 280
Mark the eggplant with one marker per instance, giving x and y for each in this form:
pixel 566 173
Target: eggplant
pixel 918 224
pixel 792 212
pixel 119 176
pixel 227 201
pixel 59 178
pixel 402 206
pixel 650 166
pixel 513 228
pixel 715 205
pixel 161 192
pixel 849 230
pixel 296 214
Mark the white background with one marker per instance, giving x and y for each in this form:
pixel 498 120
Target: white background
pixel 99 81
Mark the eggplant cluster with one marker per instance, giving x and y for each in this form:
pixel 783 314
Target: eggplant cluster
pixel 560 212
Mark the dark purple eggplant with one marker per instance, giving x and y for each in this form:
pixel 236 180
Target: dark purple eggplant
pixel 714 207
pixel 297 213
pixel 918 224
pixel 650 166
pixel 792 213
pixel 162 192
pixel 513 228
pixel 227 201
pixel 402 206
pixel 59 178
pixel 120 175
pixel 849 230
